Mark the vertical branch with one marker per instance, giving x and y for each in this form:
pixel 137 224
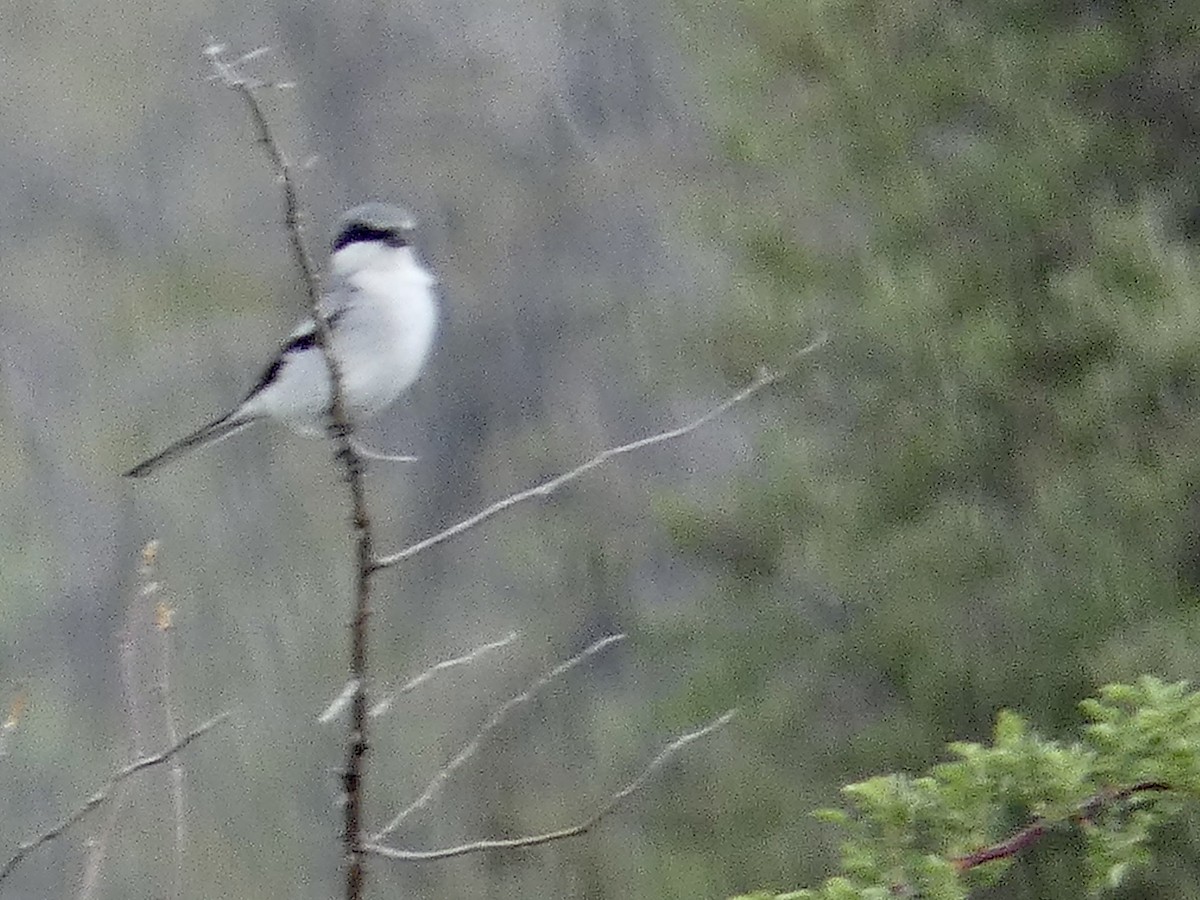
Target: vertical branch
pixel 340 432
pixel 163 616
pixel 98 844
pixel 356 749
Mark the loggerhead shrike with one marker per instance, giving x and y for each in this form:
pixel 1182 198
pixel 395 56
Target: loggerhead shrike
pixel 381 308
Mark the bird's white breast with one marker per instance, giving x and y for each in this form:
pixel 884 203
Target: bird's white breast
pixel 383 310
pixel 383 335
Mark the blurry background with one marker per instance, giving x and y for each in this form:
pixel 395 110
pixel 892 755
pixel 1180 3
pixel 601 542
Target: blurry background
pixel 982 494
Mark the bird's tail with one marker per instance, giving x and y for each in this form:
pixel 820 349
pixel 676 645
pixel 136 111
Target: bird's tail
pixel 209 434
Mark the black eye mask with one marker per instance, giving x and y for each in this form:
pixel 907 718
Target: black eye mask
pixel 356 233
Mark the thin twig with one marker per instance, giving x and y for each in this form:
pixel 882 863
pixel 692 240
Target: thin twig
pixel 177 774
pixel 586 825
pixel 378 455
pixel 764 379
pixel 16 709
pixel 231 75
pixel 494 721
pixel 134 708
pixel 163 617
pixel 339 703
pixel 97 850
pixel 101 796
pixel 433 671
pixel 341 434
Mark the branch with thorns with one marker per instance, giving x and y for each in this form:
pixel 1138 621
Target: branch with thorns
pixel 100 797
pixel 231 75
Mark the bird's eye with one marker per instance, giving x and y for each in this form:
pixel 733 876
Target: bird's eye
pixel 398 238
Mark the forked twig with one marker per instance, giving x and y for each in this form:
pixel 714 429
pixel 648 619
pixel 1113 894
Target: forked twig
pixel 231 76
pixel 101 796
pixel 494 721
pixel 586 825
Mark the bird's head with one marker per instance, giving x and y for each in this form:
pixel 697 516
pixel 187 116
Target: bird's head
pixel 373 235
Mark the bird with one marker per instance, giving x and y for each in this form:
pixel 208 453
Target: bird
pixel 382 310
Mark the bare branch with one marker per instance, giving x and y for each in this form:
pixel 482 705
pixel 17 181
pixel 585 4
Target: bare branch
pixel 230 74
pixel 764 379
pixel 164 624
pixel 534 840
pixel 341 434
pixel 101 796
pixel 433 671
pixel 494 721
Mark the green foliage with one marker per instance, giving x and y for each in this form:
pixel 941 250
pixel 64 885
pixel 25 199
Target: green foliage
pixel 1137 763
pixel 984 493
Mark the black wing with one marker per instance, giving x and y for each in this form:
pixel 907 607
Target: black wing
pixel 305 340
